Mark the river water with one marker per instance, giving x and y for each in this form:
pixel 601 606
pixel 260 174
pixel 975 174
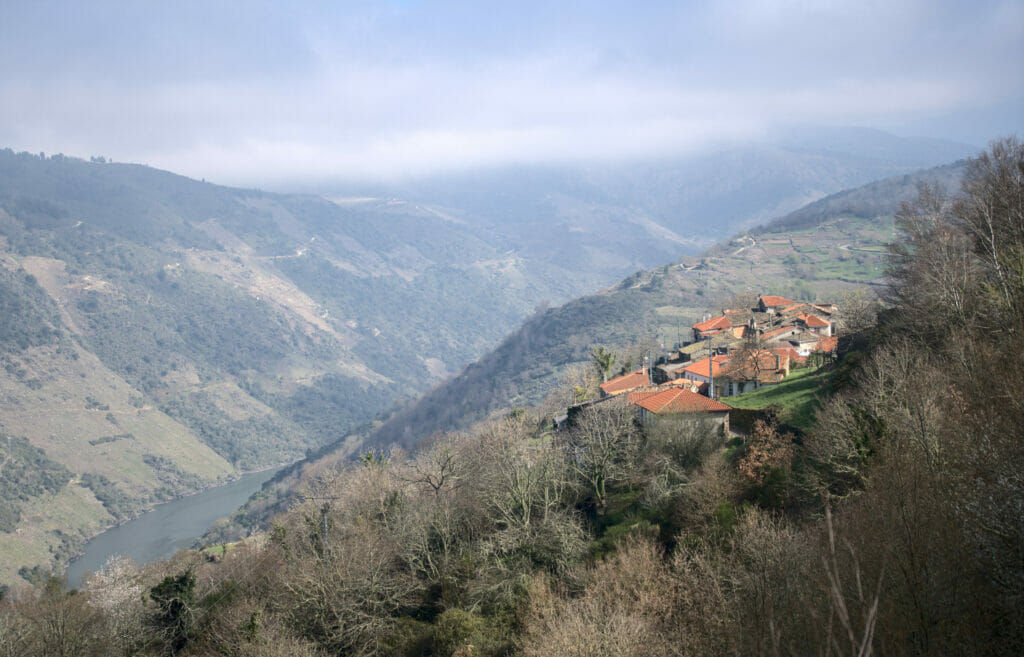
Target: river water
pixel 169 527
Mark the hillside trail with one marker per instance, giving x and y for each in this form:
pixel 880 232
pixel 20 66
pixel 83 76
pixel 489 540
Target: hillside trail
pixel 738 251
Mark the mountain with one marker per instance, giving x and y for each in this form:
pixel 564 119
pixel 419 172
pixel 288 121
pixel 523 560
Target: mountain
pixel 160 334
pixel 822 251
pixel 685 203
pixel 825 250
pixel 664 536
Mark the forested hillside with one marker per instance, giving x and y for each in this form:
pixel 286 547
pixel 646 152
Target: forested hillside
pixel 823 251
pixel 892 526
pixel 160 334
pixel 843 253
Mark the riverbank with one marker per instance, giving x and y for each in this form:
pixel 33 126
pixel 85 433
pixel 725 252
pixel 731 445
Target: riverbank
pixel 167 527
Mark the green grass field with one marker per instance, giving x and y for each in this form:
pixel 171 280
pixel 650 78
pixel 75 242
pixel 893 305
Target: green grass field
pixel 797 396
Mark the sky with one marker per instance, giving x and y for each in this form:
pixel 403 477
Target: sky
pixel 256 93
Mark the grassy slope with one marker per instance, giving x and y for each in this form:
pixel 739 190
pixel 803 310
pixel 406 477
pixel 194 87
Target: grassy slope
pixel 181 290
pixel 836 247
pixel 157 335
pixel 817 254
pixel 797 396
pixel 651 307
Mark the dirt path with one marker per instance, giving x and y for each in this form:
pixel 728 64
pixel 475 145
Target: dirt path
pixel 738 251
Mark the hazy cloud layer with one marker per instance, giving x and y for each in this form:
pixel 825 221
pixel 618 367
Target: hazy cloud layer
pixel 259 92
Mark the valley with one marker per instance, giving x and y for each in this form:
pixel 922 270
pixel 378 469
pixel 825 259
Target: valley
pixel 805 255
pixel 826 250
pixel 484 329
pixel 163 335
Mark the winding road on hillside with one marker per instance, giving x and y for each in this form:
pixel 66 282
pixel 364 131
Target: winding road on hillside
pixel 753 242
pixel 866 249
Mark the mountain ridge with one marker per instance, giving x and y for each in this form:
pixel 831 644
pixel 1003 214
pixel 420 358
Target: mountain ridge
pixel 688 283
pixel 171 333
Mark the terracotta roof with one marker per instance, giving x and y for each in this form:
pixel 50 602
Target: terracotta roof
pixel 774 301
pixel 625 382
pixel 677 400
pixel 814 321
pixel 714 324
pixel 828 345
pixel 700 367
pixel 685 383
pixel 790 353
pixel 764 365
pixel 634 396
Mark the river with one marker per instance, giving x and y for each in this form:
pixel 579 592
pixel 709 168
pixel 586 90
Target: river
pixel 169 527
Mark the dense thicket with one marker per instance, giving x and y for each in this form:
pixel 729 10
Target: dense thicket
pixel 894 527
pixel 27 316
pixel 25 472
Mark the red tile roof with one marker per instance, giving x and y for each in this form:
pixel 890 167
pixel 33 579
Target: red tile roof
pixel 814 321
pixel 774 301
pixel 635 396
pixel 700 367
pixel 828 345
pixel 684 383
pixel 790 353
pixel 677 400
pixel 715 323
pixel 625 382
pixel 762 364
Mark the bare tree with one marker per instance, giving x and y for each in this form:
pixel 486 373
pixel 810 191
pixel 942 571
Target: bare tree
pixel 858 311
pixel 442 514
pixel 743 300
pixel 61 624
pixel 605 442
pixel 579 382
pixel 635 604
pixel 525 478
pixel 934 270
pixel 438 467
pixel 349 602
pixel 992 210
pixel 15 634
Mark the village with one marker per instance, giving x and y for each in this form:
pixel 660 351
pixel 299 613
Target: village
pixel 738 351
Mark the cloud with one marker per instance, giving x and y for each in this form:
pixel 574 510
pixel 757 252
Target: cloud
pixel 260 93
